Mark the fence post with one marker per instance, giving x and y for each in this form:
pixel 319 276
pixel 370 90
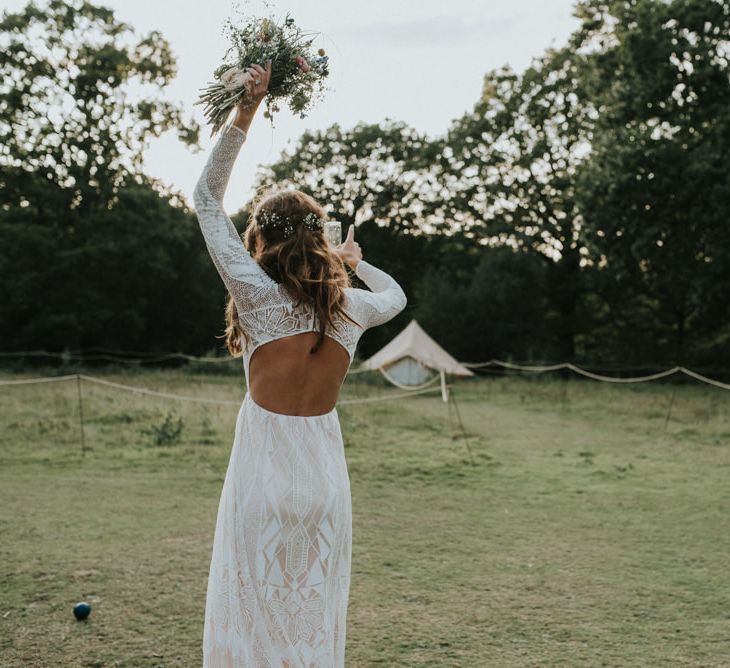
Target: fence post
pixel 81 414
pixel 671 403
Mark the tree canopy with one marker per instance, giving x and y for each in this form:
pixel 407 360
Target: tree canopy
pixel 576 212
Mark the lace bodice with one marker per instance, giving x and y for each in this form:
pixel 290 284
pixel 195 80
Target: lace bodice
pixel 266 311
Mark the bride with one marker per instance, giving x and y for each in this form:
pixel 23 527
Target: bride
pixel 279 574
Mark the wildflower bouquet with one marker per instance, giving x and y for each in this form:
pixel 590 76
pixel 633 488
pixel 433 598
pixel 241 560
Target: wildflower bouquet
pixel 297 71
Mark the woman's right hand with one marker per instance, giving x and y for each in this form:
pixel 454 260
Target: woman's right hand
pixel 349 250
pixel 249 103
pixel 258 85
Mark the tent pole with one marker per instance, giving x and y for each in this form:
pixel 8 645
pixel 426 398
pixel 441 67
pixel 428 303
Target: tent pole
pixel 444 391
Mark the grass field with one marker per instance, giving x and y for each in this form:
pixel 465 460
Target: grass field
pixel 592 530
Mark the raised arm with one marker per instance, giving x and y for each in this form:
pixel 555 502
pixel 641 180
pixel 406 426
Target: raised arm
pixel 243 276
pixel 233 262
pixel 386 300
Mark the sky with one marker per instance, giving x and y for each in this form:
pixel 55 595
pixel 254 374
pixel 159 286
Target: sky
pixel 416 61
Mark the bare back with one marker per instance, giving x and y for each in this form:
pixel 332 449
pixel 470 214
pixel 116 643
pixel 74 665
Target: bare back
pixel 286 378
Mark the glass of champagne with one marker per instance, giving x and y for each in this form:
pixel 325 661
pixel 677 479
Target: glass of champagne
pixel 333 232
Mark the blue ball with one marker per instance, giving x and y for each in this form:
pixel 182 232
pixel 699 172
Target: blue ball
pixel 82 610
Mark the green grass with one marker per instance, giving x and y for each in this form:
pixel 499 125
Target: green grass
pixel 591 530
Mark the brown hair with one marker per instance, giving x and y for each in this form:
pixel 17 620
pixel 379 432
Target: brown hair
pixel 303 262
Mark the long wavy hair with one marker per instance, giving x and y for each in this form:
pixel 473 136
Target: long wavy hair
pixel 304 263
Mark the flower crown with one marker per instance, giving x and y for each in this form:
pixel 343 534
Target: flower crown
pixel 273 221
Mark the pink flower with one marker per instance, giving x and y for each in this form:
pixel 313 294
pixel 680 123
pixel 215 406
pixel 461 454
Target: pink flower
pixel 303 64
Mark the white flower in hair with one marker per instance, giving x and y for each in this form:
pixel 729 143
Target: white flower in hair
pixel 274 221
pixel 313 222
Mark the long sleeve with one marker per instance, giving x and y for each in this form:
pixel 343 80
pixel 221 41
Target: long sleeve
pixel 386 300
pixel 247 282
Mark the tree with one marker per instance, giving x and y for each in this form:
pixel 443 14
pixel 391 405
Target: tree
pixel 71 190
pixel 494 314
pixel 655 192
pixel 374 172
pixel 513 161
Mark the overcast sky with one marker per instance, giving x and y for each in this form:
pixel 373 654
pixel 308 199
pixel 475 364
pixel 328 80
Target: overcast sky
pixel 417 61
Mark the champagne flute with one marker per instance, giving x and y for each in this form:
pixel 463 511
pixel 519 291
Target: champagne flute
pixel 333 232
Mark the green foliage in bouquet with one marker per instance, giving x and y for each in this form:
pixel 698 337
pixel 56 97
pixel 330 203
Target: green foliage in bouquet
pixel 297 75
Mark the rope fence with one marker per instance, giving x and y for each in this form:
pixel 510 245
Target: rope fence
pixel 596 376
pixel 183 397
pixel 423 388
pixel 112 355
pixel 78 377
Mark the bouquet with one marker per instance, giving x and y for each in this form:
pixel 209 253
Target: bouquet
pixel 297 70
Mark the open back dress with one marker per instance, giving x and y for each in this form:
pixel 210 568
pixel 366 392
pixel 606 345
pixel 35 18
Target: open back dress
pixel 279 574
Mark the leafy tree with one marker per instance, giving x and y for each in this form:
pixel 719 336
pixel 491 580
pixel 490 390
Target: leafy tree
pixel 372 172
pixel 655 192
pixel 80 225
pixel 513 162
pixel 496 314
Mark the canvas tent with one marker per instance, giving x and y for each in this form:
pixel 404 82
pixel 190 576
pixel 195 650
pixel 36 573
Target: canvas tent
pixel 413 359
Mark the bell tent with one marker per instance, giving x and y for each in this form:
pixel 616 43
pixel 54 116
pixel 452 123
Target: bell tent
pixel 411 358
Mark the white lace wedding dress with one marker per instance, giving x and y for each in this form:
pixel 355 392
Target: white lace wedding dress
pixel 279 575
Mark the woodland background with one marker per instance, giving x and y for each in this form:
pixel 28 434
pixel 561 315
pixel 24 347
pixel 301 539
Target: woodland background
pixel 578 212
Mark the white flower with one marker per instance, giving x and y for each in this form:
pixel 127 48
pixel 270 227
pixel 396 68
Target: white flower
pixel 234 78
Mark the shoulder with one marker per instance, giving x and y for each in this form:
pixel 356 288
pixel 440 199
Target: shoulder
pixel 354 296
pixel 358 297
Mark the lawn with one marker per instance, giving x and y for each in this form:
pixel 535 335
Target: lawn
pixel 592 529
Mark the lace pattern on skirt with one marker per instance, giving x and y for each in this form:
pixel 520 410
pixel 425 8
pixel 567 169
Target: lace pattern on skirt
pixel 279 576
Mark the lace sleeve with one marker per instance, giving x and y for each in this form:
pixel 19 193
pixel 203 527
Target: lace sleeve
pixel 247 282
pixel 386 300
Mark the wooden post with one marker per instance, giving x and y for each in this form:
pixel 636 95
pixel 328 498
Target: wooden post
pixel 81 414
pixel 671 403
pixel 444 390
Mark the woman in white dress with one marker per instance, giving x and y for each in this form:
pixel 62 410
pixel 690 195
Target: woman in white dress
pixel 279 575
